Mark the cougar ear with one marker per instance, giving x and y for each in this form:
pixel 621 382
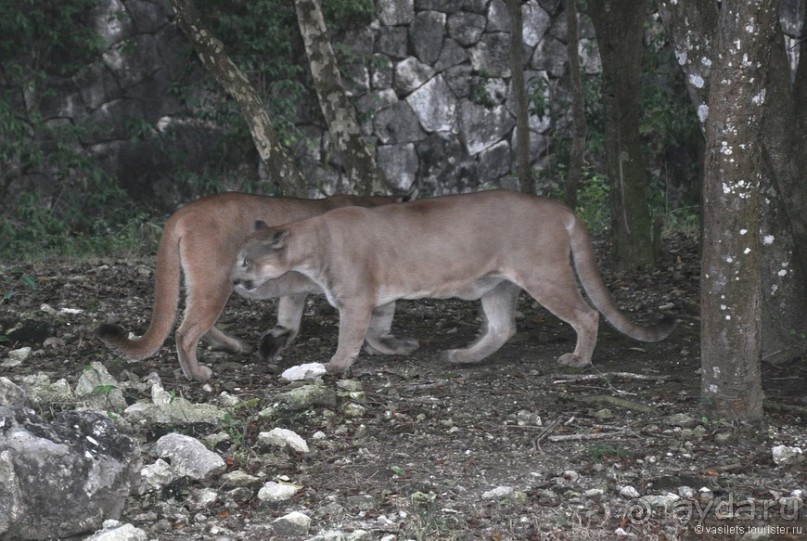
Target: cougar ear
pixel 278 239
pixel 260 224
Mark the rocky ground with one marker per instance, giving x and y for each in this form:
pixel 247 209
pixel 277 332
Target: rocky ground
pixel 413 448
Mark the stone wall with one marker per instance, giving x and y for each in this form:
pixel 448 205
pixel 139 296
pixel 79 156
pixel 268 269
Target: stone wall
pixel 145 55
pixel 122 113
pixel 437 96
pixel 432 88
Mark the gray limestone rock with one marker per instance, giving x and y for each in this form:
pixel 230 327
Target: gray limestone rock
pixel 495 161
pixel 11 394
pixel 445 6
pixel 481 128
pixel 451 54
pixel 498 17
pixel 435 106
pixel 410 74
pixel 396 13
pixel 491 55
pixel 99 390
pixel 397 124
pixel 536 23
pixel 391 41
pixel 426 35
pixel 305 397
pixel 398 164
pixel 78 457
pixel 466 28
pixel 292 524
pixel 189 457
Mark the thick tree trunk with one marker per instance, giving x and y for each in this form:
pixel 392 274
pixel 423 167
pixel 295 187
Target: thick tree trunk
pixel 525 177
pixel 279 163
pixel 619 25
pixel 358 161
pixel 577 152
pixel 731 280
pixel 693 27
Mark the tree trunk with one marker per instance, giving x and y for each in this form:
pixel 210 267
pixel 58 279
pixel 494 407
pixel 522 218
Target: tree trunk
pixel 619 25
pixel 280 165
pixel 359 163
pixel 784 221
pixel 731 281
pixel 575 173
pixel 693 26
pixel 525 177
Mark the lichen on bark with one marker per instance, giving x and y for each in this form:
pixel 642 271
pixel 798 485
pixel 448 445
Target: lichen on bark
pixel 357 160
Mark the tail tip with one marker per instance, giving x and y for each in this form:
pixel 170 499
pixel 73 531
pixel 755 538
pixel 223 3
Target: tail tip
pixel 666 326
pixel 109 332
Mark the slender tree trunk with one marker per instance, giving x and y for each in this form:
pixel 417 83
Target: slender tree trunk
pixel 784 222
pixel 279 163
pixel 358 161
pixel 619 25
pixel 525 178
pixel 577 153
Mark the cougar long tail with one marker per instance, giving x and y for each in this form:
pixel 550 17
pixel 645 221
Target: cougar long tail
pixel 586 266
pixel 166 300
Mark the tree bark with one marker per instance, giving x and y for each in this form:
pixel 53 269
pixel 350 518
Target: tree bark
pixel 619 25
pixel 525 177
pixel 731 281
pixel 780 157
pixel 359 162
pixel 280 165
pixel 577 152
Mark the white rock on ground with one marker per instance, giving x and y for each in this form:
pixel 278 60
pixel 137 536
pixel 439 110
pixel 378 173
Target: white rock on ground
pixel 189 457
pixel 115 531
pixel 282 437
pixel 156 476
pixel 277 492
pixel 20 354
pixel 783 455
pixel 629 492
pixel 295 523
pixel 303 372
pixel 498 493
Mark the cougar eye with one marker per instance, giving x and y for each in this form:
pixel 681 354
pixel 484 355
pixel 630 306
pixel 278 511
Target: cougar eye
pixel 245 263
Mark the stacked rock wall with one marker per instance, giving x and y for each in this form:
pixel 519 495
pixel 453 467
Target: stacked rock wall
pixel 432 89
pixel 437 94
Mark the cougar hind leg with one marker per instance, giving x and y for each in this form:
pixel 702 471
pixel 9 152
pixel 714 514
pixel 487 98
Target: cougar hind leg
pixel 498 308
pixel 201 314
pixel 561 296
pixel 380 340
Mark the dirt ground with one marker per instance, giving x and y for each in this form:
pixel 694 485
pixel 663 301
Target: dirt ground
pixel 440 452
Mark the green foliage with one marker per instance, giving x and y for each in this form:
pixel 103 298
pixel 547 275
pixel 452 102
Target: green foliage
pixel 85 219
pixel 103 390
pixel 11 281
pixel 342 14
pixel 592 201
pixel 83 209
pixel 262 39
pixel 58 39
